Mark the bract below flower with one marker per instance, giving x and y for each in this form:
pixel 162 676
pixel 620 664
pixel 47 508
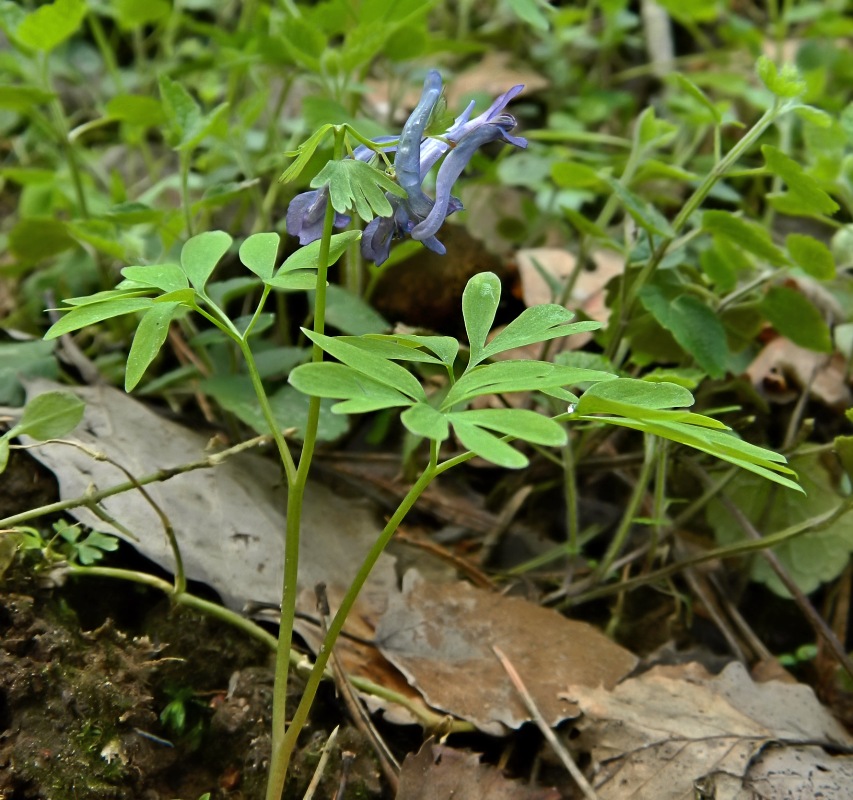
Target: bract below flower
pixel 306 213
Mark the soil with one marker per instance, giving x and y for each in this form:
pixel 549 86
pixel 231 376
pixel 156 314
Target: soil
pixel 82 708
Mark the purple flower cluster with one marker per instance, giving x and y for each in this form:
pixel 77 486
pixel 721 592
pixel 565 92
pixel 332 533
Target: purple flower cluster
pixel 416 214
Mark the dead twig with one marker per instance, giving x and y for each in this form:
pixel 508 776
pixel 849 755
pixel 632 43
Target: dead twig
pixel 818 623
pixel 361 719
pixel 321 764
pixel 558 747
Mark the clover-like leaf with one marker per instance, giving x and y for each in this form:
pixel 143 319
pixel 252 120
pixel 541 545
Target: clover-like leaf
pixel 479 306
pixel 258 253
pixel 201 254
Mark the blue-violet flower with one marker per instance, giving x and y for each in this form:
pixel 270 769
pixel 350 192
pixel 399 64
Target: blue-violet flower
pixel 416 154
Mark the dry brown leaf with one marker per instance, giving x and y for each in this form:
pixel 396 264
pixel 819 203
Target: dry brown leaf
pixel 442 773
pixel 781 360
pixel 440 637
pixel 588 293
pixel 674 728
pixel 229 521
pixel 492 75
pixel 230 524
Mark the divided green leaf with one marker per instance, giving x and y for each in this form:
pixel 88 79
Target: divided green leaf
pixel 787 83
pixel 51 24
pixel 81 316
pixel 748 235
pixel 379 369
pixel 803 190
pixel 811 255
pixel 644 214
pixel 796 317
pixel 150 335
pixel 50 416
pixel 534 325
pixel 165 277
pixel 305 151
pixel 359 392
pixel 357 186
pixel 693 325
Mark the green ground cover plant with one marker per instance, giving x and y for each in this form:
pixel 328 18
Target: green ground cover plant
pixel 164 161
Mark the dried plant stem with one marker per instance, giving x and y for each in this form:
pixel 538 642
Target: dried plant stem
pixel 818 623
pixel 562 753
pixel 154 477
pixel 389 765
pixel 321 764
pixel 730 551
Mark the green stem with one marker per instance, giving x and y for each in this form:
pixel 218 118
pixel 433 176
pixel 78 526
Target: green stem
pixel 659 504
pixel 266 410
pixel 257 315
pixel 154 477
pixel 295 496
pixel 184 157
pixel 570 495
pixel 627 520
pixel 105 50
pixel 183 599
pixel 281 756
pixel 743 548
pixel 61 128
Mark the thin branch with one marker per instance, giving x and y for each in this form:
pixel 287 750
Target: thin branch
pixel 562 753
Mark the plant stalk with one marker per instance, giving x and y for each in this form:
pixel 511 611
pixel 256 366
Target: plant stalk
pixel 287 744
pixel 281 734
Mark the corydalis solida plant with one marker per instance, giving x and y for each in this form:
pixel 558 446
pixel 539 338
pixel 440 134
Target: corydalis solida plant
pixel 415 154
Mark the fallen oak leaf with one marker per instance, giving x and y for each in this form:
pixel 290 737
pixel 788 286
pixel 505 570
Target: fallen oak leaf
pixel 669 730
pixel 440 636
pixel 443 773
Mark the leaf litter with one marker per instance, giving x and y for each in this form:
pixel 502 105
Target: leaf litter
pixel 441 638
pixel 660 735
pixel 673 730
pixel 437 772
